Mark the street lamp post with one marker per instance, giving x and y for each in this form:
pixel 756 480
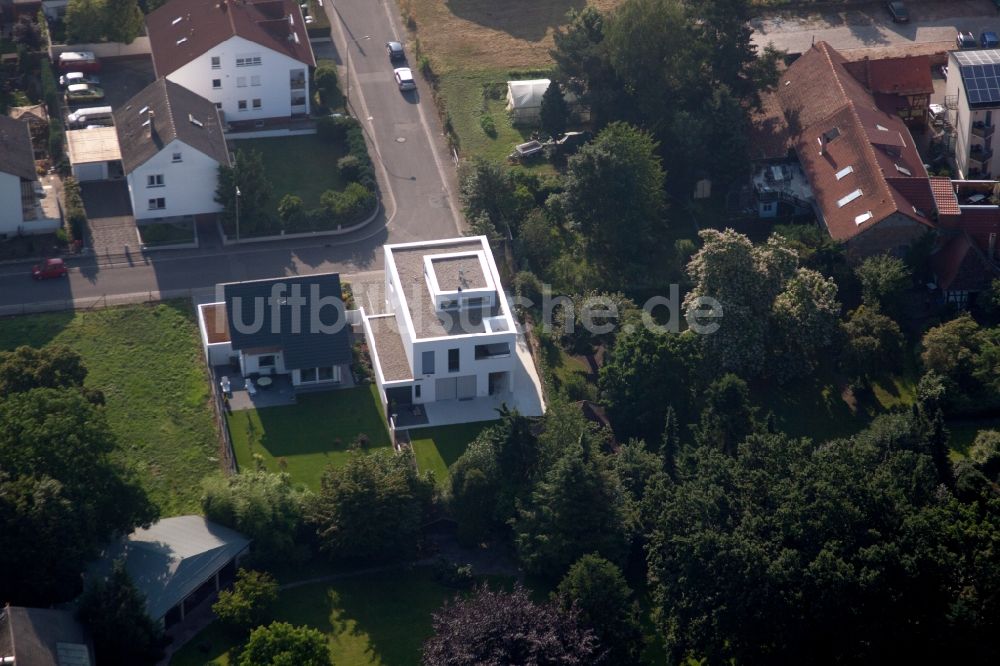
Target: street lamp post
pixel 238 213
pixel 347 95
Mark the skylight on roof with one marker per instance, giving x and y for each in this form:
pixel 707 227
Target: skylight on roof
pixel 904 170
pixel 146 123
pixel 843 172
pixel 881 128
pixel 194 121
pixel 177 20
pixel 831 134
pixel 143 110
pixel 864 217
pixel 843 201
pixel 181 40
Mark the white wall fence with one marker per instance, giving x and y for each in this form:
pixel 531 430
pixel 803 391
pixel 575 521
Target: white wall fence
pixel 105 49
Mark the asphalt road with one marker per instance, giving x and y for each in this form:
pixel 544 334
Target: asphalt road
pixel 872 27
pixel 416 179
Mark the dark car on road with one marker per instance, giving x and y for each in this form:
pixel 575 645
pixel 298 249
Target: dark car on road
pixel 50 268
pixel 989 40
pixel 966 40
pixel 898 11
pixel 395 51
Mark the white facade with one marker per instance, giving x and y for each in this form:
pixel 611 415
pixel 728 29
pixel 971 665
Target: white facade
pixel 11 211
pixel 247 81
pixel 975 155
pixel 178 180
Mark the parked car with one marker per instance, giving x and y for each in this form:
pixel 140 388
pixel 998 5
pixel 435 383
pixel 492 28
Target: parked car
pixel 395 51
pixel 79 61
pixel 50 268
pixel 988 39
pixel 83 92
pixel 88 115
pixel 78 77
pixel 966 40
pixel 898 11
pixel 404 79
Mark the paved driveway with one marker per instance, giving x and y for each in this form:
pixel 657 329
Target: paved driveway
pixel 868 27
pixel 111 227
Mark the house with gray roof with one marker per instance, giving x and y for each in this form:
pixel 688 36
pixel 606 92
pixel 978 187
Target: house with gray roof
pixel 176 563
pixel 20 209
pixel 43 637
pixel 172 144
pixel 293 327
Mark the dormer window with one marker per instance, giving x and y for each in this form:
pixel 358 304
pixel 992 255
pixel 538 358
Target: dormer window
pixel 830 135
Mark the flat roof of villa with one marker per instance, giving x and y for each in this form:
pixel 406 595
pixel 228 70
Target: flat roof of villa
pixel 216 322
pixel 416 293
pixel 462 272
pixel 389 348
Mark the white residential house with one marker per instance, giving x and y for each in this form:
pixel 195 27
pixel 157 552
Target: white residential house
pixel 21 211
pixel 447 348
pixel 172 144
pixel 251 58
pixel 972 97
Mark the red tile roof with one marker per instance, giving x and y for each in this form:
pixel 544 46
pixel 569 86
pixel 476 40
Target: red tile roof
pixel 909 75
pixel 183 30
pixel 962 266
pixel 977 221
pixel 944 196
pixel 841 131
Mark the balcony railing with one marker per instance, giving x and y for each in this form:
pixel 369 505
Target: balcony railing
pixel 980 155
pixel 982 130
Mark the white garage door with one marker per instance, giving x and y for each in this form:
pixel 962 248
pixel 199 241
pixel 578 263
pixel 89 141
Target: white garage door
pixel 91 171
pixel 446 389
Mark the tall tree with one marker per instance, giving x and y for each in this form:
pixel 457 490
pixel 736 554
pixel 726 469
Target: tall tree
pixel 487 189
pixel 123 20
pixel 497 627
pixel 578 508
pixel 554 111
pixel 597 589
pixel 873 344
pixel 282 644
pixel 52 366
pixel 806 314
pixel 244 191
pixel 85 21
pixel 729 417
pixel 614 192
pixel 883 278
pixel 967 359
pixel 249 601
pixel 114 612
pixel 55 449
pixel 371 508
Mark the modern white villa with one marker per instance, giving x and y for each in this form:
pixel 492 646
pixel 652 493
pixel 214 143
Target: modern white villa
pixel 447 348
pixel 251 58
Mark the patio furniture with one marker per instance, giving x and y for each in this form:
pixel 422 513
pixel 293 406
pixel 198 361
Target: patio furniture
pixel 227 387
pixel 250 387
pixel 264 381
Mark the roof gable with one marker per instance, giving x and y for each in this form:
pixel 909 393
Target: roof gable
pixel 17 157
pixel 162 113
pixel 962 266
pixel 290 313
pixel 183 30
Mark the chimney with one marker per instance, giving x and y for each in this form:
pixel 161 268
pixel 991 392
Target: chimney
pixel 993 246
pixel 149 126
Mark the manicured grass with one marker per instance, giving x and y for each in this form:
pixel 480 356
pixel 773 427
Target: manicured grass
pixel 304 438
pixel 167 233
pixel 370 620
pixel 147 360
pixel 301 165
pixel 437 449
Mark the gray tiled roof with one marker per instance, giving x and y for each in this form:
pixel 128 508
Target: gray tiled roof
pixel 302 346
pixel 16 154
pixel 178 113
pixel 43 637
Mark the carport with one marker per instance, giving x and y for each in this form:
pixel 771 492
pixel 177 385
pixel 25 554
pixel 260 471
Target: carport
pixel 94 153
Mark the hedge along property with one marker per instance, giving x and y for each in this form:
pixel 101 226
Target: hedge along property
pixel 298 184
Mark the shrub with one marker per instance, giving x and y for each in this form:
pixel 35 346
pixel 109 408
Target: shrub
pixel 334 128
pixel 349 205
pixel 489 127
pixel 291 212
pixel 349 167
pixel 325 82
pixel 76 214
pixel 453 575
pixel 249 602
pixel 425 67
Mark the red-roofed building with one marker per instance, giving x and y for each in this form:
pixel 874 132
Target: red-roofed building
pixel 962 268
pixel 250 57
pixel 902 86
pixel 866 181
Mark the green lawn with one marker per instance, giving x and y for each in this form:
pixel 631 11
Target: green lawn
pixel 463 93
pixel 304 438
pixel 302 165
pixel 147 360
pixel 167 233
pixel 374 619
pixel 436 449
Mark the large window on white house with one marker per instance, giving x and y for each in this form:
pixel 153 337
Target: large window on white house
pixel 427 362
pixel 241 82
pixel 216 62
pixel 241 105
pixel 157 204
pixel 247 61
pixel 266 361
pixel 256 104
pixel 216 84
pixel 154 180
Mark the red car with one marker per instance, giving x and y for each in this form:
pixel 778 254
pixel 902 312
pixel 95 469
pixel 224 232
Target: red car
pixel 50 268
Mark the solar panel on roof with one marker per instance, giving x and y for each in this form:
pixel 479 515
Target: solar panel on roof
pixel 974 96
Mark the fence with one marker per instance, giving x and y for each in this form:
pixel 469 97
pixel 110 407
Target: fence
pixel 203 294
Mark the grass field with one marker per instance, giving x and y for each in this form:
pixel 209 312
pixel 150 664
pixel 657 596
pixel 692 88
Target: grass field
pixel 437 449
pixel 147 360
pixel 370 620
pixel 300 165
pixel 304 438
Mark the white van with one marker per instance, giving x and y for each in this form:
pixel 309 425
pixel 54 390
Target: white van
pixel 77 77
pixel 88 115
pixel 79 61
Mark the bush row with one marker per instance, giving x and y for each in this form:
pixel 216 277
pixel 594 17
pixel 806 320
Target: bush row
pixel 50 93
pixel 76 214
pixel 337 209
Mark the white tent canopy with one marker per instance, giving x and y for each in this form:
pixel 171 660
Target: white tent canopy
pixel 526 94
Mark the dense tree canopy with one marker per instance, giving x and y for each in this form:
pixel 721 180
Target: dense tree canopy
pixel 283 644
pixel 873 344
pixel 496 627
pixel 114 613
pixel 883 279
pixel 371 508
pixel 967 359
pixel 244 192
pixel 53 366
pixel 848 552
pixel 249 601
pixel 62 497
